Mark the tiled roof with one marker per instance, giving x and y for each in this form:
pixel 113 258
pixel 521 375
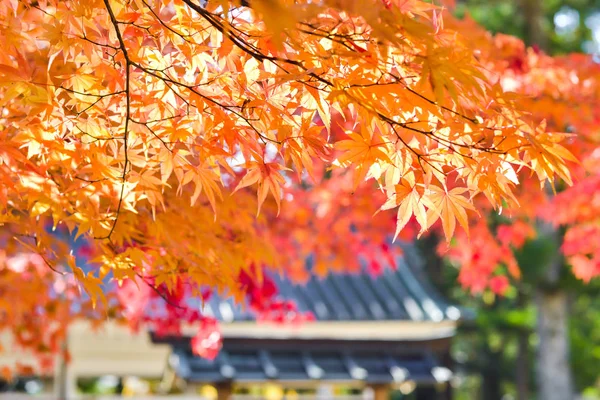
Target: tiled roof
pixel 396 294
pixel 401 294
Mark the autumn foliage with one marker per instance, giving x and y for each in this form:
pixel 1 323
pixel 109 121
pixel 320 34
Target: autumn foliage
pixel 563 93
pixel 195 144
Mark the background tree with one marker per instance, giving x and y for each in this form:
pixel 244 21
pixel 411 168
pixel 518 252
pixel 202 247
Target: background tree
pixel 564 26
pixel 547 280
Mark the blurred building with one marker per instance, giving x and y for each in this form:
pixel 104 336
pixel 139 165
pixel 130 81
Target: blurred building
pixel 373 337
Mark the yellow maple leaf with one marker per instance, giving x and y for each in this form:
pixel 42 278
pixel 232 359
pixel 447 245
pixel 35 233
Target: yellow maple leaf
pixel 449 206
pixel 269 179
pixel 361 150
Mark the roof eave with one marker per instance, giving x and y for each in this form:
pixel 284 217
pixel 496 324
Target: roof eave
pixel 338 330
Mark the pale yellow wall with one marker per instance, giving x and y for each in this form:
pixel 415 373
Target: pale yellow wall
pixel 111 350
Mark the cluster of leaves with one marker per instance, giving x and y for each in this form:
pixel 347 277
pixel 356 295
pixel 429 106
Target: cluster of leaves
pixel 563 92
pixel 154 130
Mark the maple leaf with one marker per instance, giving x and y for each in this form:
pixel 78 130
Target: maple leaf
pixel 449 206
pixel 7 373
pixel 410 201
pixel 268 178
pixel 584 268
pixel 499 284
pixel 207 342
pixel 91 284
pixel 362 150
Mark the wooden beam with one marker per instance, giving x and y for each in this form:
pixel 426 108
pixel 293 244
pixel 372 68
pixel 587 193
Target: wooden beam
pixel 381 392
pixel 224 391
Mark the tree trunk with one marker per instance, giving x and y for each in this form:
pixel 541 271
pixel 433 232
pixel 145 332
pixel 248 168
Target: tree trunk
pixel 522 368
pixel 533 13
pixel 491 385
pixel 553 369
pixel 64 383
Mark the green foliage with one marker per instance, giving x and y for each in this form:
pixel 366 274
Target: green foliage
pixel 505 16
pixel 536 255
pixel 494 15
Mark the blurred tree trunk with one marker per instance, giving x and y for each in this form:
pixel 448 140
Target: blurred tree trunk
pixel 552 302
pixel 533 12
pixel 552 360
pixel 491 386
pixel 553 369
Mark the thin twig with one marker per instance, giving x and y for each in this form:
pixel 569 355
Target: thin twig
pixel 128 64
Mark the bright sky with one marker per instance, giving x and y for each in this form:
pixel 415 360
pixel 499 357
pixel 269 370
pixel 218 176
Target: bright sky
pixel 566 21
